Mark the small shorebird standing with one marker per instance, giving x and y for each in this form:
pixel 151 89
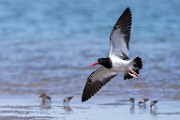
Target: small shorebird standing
pixel 66 100
pixel 45 99
pixel 143 101
pixel 153 103
pixel 117 61
pixel 132 100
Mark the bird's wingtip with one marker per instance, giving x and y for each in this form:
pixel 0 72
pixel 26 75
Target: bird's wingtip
pixel 128 9
pixel 83 100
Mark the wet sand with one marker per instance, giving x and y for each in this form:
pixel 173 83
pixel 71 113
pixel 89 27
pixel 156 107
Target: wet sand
pixel 22 108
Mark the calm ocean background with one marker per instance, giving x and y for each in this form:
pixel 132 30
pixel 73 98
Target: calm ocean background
pixel 46 46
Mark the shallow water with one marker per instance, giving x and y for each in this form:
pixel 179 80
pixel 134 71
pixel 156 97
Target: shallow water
pixel 46 47
pixel 30 109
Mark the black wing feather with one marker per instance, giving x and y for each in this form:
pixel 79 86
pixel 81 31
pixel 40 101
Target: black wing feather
pixel 91 89
pixel 93 85
pixel 124 23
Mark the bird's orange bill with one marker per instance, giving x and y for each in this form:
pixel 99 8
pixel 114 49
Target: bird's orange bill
pixel 94 64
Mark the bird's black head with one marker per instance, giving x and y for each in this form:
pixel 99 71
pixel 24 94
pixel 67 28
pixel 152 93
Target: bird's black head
pixel 106 62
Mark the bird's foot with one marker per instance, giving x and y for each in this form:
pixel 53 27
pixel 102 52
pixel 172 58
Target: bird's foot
pixel 132 73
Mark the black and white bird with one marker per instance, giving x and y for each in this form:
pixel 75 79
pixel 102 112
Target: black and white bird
pixel 117 61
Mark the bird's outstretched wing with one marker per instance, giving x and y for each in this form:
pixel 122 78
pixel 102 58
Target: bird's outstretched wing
pixel 120 35
pixel 96 81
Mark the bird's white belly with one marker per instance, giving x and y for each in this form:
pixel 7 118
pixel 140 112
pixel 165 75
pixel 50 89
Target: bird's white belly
pixel 120 65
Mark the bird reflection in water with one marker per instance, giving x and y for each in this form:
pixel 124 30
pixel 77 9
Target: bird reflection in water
pixel 132 110
pixel 142 106
pixel 153 112
pixel 68 109
pixel 66 104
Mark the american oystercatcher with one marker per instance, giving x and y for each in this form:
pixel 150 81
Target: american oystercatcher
pixel 118 59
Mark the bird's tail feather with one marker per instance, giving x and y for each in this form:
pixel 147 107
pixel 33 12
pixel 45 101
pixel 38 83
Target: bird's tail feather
pixel 136 66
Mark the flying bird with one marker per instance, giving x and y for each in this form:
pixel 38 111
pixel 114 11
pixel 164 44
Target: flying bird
pixel 117 61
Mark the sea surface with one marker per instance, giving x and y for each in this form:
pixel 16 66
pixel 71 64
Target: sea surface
pixel 47 46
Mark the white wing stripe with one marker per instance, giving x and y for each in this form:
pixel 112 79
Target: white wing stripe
pixel 118 44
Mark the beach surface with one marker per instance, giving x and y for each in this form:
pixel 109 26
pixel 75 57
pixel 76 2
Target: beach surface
pixel 21 108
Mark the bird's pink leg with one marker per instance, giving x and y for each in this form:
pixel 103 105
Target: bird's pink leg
pixel 132 73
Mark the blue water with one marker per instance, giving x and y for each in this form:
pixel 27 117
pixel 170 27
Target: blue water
pixel 46 46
